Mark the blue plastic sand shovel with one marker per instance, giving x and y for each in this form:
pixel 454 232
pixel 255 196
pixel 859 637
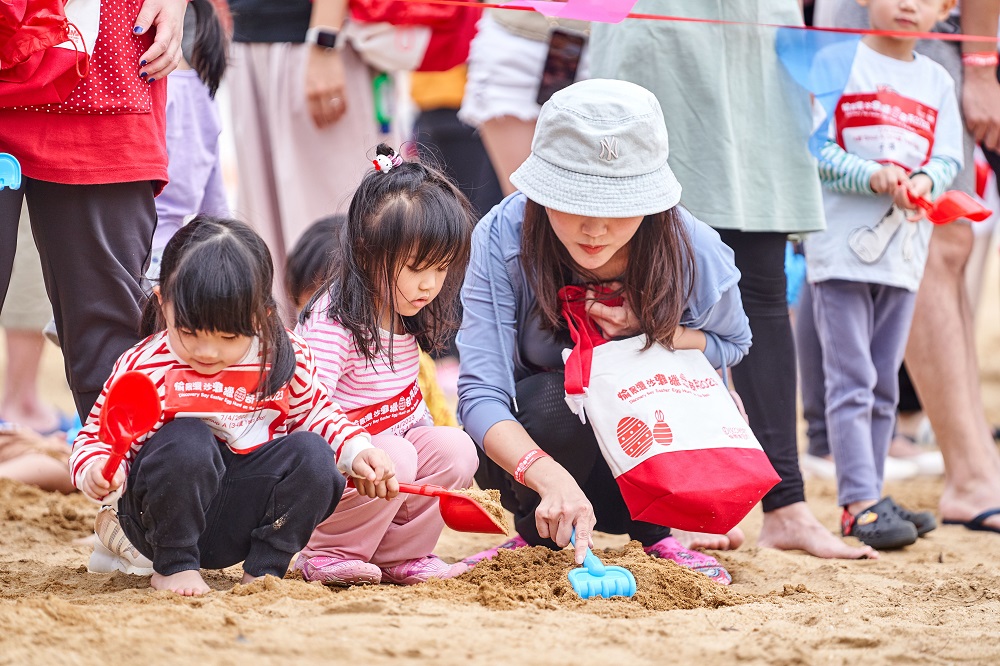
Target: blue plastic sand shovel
pixel 594 579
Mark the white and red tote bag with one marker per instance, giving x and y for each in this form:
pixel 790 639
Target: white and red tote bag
pixel 680 450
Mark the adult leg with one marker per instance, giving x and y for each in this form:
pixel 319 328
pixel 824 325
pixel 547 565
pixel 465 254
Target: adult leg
pixel 941 356
pixel 10 212
pixel 765 379
pixel 508 143
pixel 23 317
pixel 811 380
pixel 93 241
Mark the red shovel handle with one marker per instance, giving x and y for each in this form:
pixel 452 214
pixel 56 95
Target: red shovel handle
pixel 119 447
pixel 426 490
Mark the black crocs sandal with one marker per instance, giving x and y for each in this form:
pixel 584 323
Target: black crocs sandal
pixel 924 521
pixel 879 526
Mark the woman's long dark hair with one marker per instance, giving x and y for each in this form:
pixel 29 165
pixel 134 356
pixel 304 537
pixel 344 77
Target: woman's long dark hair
pixel 657 281
pixel 412 210
pixel 210 43
pixel 217 273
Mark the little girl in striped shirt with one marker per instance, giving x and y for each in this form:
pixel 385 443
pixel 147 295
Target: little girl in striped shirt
pixel 401 260
pixel 243 464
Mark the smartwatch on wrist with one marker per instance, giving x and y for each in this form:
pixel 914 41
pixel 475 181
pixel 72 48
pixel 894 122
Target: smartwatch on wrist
pixel 324 37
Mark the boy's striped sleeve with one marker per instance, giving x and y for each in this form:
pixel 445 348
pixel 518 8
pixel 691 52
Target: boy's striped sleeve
pixel 840 171
pixel 941 171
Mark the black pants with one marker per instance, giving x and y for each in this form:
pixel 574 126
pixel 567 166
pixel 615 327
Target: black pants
pixel 765 378
pixel 192 503
pixel 572 444
pixel 443 138
pixel 94 242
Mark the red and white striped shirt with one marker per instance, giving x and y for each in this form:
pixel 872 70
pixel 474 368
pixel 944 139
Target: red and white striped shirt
pixel 358 384
pixel 225 402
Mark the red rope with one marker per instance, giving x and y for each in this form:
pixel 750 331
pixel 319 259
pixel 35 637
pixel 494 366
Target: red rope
pixel 940 36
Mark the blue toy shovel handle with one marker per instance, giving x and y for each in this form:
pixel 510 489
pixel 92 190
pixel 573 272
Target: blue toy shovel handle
pixel 590 562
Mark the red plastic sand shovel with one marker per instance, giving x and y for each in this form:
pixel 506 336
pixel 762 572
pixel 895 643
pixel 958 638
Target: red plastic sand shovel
pixel 131 408
pixel 460 512
pixel 952 205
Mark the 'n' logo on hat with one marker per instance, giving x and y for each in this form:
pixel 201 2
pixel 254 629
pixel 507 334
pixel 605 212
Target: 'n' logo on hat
pixel 609 148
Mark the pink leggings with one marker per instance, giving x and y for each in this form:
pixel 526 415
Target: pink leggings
pixel 407 527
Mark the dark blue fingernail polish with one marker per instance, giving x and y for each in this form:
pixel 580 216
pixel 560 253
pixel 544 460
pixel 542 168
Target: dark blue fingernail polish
pixel 144 75
pixel 137 29
pixel 151 80
pixel 142 63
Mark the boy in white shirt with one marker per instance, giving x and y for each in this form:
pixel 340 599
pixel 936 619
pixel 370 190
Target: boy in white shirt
pixel 896 132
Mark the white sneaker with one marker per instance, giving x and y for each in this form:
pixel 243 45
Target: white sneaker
pixel 112 549
pixel 900 469
pixel 815 467
pixel 896 469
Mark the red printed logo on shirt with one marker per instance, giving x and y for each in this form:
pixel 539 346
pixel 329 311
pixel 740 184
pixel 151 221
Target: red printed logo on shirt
pixel 227 403
pixel 398 413
pixel 886 127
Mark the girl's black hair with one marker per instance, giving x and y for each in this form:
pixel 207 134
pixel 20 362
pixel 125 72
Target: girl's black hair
pixel 310 264
pixel 411 210
pixel 209 45
pixel 216 274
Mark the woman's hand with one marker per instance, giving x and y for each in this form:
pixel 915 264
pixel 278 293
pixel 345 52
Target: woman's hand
pixel 615 321
pixel 163 56
pixel 563 506
pixel 94 484
pixel 326 90
pixel 374 474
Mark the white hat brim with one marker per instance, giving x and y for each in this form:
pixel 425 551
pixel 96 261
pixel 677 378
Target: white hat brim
pixel 596 196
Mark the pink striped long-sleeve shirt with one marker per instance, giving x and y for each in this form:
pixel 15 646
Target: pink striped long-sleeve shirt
pixel 359 385
pixel 225 402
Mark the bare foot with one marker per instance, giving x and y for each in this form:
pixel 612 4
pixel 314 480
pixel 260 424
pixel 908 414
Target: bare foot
pixel 731 540
pixel 185 583
pixel 247 578
pixel 794 527
pixel 966 503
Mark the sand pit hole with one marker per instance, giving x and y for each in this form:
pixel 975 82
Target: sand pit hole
pixel 538 577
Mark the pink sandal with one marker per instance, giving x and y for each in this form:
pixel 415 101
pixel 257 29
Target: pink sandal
pixel 335 571
pixel 671 549
pixel 421 570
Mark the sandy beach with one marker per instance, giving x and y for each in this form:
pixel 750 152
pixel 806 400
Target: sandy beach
pixel 936 602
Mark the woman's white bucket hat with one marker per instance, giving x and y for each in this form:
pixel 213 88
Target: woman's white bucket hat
pixel 600 149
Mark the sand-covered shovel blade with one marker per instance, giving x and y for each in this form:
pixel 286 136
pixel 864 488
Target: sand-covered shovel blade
pixel 131 408
pixel 594 579
pixel 952 205
pixel 460 512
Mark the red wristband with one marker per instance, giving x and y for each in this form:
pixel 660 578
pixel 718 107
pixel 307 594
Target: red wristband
pixel 988 59
pixel 526 461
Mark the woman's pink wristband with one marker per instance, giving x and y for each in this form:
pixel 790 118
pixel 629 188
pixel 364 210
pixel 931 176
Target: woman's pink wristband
pixel 988 59
pixel 526 461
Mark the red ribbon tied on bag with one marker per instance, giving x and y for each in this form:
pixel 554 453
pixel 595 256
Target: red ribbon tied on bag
pixel 584 332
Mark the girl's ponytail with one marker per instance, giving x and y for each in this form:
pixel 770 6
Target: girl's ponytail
pixel 208 50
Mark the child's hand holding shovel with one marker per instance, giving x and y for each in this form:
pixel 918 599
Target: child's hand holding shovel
pixel 95 486
pixel 919 187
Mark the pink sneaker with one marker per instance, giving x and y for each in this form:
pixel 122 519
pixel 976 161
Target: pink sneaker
pixel 671 549
pixel 421 570
pixel 335 571
pixel 490 553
